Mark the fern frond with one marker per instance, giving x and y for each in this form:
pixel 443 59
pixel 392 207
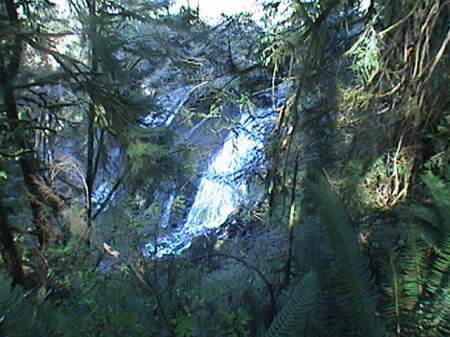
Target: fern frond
pixel 425 214
pixel 440 194
pixel 295 317
pixel 404 287
pixel 436 304
pixel 412 279
pixel 7 296
pixel 433 311
pixel 357 289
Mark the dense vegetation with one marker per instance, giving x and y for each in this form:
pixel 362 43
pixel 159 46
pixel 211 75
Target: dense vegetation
pixel 351 233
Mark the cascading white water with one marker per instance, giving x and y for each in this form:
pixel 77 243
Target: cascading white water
pixel 222 187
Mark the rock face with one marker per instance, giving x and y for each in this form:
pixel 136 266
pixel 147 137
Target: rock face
pixel 224 142
pixel 222 185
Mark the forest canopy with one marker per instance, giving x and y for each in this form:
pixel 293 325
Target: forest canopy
pixel 113 111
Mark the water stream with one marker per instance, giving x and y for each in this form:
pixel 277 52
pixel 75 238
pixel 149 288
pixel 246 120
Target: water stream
pixel 223 185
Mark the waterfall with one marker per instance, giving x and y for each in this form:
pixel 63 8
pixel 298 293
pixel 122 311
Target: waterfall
pixel 223 186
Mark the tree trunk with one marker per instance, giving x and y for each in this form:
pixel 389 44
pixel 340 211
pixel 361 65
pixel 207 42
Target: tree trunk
pixel 10 252
pixel 9 67
pixel 90 167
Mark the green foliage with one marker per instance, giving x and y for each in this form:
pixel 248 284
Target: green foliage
pixel 111 304
pixel 367 54
pixel 207 304
pixel 356 289
pixel 436 284
pixel 98 305
pixel 387 180
pixel 151 158
pixel 400 92
pixel 230 324
pixel 178 210
pixel 25 314
pixel 297 316
pixel 403 287
pixel 235 323
pixel 184 325
pixel 416 284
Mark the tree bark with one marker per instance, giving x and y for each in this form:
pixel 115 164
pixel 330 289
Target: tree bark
pixel 9 67
pixel 10 253
pixel 90 167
